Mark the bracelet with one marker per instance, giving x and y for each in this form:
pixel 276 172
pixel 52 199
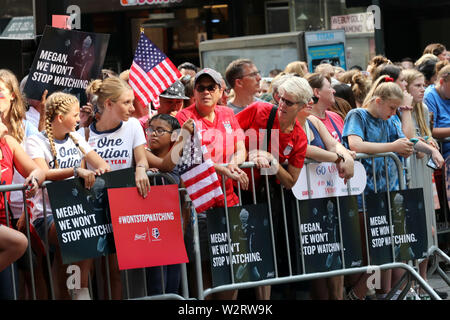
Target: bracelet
pixel 75 172
pixel 141 166
pixel 340 158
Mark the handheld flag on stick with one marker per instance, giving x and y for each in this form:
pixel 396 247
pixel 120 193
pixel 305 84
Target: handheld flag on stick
pixel 199 176
pixel 151 72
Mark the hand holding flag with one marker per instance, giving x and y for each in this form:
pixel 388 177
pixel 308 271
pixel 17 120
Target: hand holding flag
pixel 199 175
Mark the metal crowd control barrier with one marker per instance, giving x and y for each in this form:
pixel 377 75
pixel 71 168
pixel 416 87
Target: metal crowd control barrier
pixel 411 273
pixel 435 254
pixel 131 286
pixel 444 204
pixel 140 284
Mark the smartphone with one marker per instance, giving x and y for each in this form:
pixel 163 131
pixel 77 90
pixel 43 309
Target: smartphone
pixel 432 165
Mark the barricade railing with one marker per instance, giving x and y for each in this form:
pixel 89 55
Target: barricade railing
pixel 435 254
pixel 137 284
pixel 290 277
pixel 443 227
pixel 202 292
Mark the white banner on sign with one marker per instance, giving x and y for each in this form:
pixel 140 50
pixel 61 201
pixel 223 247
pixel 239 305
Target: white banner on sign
pixel 325 181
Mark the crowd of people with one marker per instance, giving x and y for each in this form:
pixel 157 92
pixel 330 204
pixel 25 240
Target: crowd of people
pixel 328 115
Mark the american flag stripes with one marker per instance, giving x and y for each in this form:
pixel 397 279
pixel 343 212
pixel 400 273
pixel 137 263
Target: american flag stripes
pixel 151 72
pixel 199 176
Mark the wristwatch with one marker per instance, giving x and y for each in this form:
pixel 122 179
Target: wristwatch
pixel 340 158
pixel 274 162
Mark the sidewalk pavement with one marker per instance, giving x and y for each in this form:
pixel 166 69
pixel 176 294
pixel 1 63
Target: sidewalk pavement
pixel 436 282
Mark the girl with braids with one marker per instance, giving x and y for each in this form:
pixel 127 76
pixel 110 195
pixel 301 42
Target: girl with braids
pixel 375 128
pixel 119 139
pixel 59 151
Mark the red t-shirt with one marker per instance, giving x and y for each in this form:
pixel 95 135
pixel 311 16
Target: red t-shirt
pixel 292 146
pixel 220 138
pixel 338 122
pixel 7 168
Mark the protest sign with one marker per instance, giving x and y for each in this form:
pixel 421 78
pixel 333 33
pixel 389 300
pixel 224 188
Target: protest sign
pixel 378 233
pixel 324 181
pixel 251 246
pixel 351 231
pixel 66 60
pixel 147 231
pixel 82 219
pixel 409 222
pixel 320 237
pixel 409 233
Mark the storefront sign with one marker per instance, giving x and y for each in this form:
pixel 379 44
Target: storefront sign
pixel 20 28
pixel 126 3
pixel 354 23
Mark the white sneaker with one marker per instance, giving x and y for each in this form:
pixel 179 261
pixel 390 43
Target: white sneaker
pixel 412 295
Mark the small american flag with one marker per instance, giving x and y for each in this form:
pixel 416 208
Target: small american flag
pixel 199 175
pixel 151 72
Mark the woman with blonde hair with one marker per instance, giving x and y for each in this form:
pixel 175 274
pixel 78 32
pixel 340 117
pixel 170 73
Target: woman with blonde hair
pixel 421 175
pixel 376 128
pixel 61 117
pixel 115 123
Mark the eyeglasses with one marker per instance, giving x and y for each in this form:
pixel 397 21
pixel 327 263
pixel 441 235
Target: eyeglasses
pixel 210 88
pixel 287 102
pixel 252 74
pixel 159 131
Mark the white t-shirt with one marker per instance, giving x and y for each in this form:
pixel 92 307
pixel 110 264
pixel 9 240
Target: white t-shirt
pixel 16 197
pixel 33 116
pixel 68 155
pixel 116 146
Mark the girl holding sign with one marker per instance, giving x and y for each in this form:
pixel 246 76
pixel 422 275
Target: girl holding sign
pixel 375 128
pixel 119 139
pixel 59 151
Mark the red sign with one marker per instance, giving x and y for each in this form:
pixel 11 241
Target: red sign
pixel 60 21
pixel 147 232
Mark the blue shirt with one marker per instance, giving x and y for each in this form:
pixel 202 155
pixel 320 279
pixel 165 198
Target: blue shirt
pixel 361 123
pixel 441 112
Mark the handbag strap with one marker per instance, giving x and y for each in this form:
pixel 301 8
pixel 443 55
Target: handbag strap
pixel 270 121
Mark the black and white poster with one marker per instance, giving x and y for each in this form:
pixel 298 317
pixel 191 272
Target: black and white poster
pixel 66 60
pixel 378 228
pixel 251 246
pixel 320 236
pixel 408 221
pixel 351 232
pixel 82 219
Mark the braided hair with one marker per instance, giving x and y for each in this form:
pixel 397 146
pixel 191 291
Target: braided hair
pixel 58 103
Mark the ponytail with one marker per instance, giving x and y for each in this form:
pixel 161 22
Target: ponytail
pixel 385 88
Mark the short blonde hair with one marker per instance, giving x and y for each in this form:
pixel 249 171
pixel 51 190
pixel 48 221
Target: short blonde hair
pixel 295 67
pixel 298 87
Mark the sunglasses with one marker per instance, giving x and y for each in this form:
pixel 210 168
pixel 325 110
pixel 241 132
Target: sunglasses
pixel 210 88
pixel 287 102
